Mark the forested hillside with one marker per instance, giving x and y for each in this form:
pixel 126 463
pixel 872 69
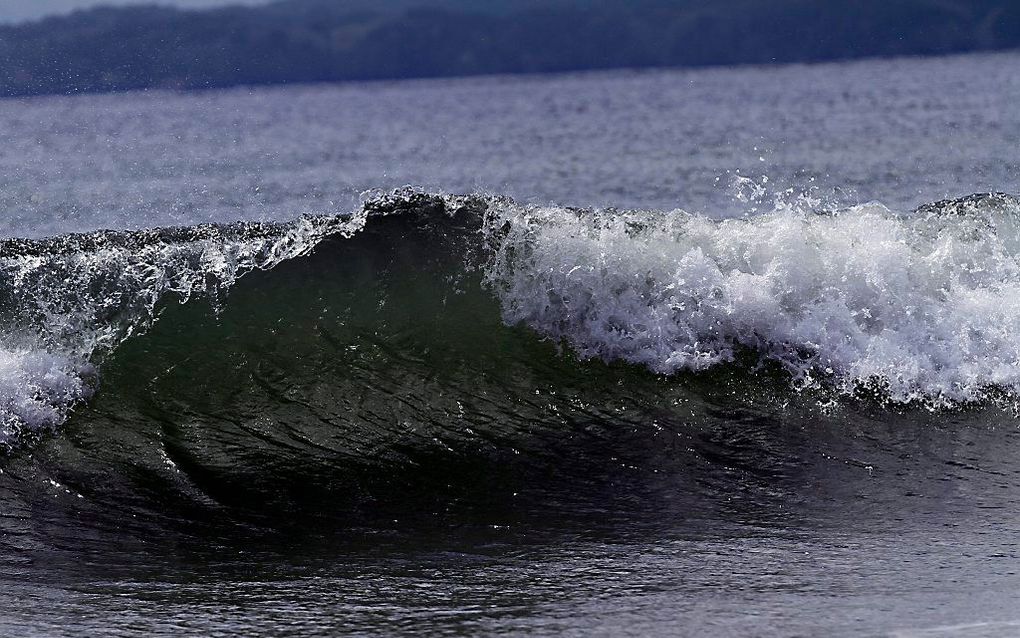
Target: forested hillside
pixel 320 40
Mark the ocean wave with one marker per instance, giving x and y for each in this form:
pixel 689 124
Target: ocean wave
pixel 921 306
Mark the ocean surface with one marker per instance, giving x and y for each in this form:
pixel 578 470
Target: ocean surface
pixel 728 352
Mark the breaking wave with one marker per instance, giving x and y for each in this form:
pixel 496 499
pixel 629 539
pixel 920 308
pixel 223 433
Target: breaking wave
pixel 915 306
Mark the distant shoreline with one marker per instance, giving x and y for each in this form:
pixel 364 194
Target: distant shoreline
pixel 500 77
pixel 311 42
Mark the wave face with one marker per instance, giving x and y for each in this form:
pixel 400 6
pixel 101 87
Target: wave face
pixel 918 307
pixel 67 302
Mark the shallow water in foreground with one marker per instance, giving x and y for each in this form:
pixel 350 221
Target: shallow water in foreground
pixel 469 415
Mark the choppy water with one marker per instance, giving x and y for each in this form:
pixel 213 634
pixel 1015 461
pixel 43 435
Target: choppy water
pixel 727 352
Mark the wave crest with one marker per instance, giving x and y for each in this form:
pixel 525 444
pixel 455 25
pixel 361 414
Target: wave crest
pixel 925 306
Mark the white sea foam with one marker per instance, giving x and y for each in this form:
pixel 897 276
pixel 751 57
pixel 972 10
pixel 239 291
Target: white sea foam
pixel 37 389
pixel 924 305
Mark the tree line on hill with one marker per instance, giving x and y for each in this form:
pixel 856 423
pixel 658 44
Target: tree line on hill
pixel 111 49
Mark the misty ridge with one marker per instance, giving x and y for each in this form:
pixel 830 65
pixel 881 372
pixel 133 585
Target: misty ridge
pixel 115 49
